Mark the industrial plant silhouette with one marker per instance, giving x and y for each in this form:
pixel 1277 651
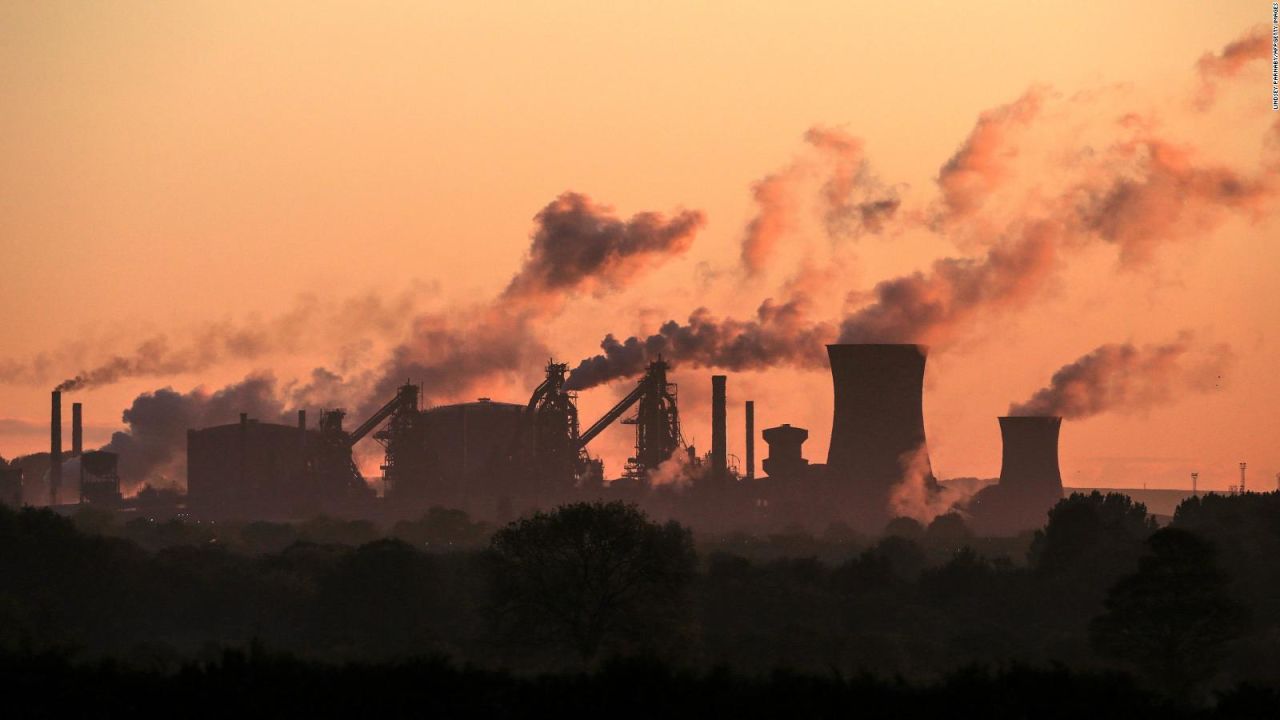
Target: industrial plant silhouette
pixel 498 461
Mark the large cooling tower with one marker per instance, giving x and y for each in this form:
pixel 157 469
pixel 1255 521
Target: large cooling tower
pixel 1030 481
pixel 877 425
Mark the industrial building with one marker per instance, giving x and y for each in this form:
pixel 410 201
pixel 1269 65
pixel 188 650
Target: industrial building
pixel 499 460
pixel 268 470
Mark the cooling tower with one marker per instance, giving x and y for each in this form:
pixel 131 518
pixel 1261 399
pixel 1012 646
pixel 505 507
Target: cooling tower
pixel 1030 481
pixel 1031 452
pixel 877 425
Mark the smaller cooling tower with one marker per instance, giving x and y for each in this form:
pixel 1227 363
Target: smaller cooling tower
pixel 1030 480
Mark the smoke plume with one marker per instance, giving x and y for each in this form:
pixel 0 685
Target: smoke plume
pixel 312 323
pixel 579 246
pixel 1214 67
pixel 853 201
pixel 850 199
pixel 1126 378
pixel 931 308
pixel 980 166
pixel 774 217
pixel 1155 192
pixel 780 334
pixel 919 496
pixel 154 442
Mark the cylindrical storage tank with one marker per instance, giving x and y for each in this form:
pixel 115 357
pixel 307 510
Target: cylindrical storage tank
pixel 877 424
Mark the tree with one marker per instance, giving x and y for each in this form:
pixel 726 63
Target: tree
pixel 1095 534
pixel 589 576
pixel 1173 616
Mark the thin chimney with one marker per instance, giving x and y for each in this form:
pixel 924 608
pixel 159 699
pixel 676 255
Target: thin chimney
pixel 718 454
pixel 77 431
pixel 751 439
pixel 55 448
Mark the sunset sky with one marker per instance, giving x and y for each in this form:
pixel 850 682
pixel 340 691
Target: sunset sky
pixel 324 173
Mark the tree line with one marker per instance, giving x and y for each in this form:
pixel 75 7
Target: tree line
pixel 1183 611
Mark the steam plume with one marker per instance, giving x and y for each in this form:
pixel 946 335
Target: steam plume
pixel 312 322
pixel 780 334
pixel 774 216
pixel 579 246
pixel 1126 377
pixel 155 440
pixel 851 200
pixel 931 308
pixel 981 163
pixel 1214 67
pixel 1155 192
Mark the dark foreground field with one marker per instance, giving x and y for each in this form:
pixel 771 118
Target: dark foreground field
pixel 255 683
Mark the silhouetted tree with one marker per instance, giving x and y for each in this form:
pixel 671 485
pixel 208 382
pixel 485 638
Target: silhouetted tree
pixel 1095 534
pixel 591 575
pixel 326 530
pixel 905 527
pixel 948 533
pixel 1173 616
pixel 442 529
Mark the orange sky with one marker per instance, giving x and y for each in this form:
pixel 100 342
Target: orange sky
pixel 175 164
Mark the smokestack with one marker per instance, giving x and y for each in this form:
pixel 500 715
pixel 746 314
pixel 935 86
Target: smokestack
pixel 55 448
pixel 77 431
pixel 751 439
pixel 877 425
pixel 302 419
pixel 718 456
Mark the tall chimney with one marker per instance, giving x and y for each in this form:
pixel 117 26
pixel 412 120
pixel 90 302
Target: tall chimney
pixel 877 425
pixel 302 419
pixel 1030 479
pixel 718 456
pixel 77 431
pixel 55 448
pixel 751 439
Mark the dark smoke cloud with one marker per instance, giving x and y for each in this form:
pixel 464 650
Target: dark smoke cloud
pixel 933 307
pixel 780 334
pixel 459 356
pixel 1213 68
pixel 1157 192
pixel 1127 377
pixel 154 442
pixel 580 246
pixel 853 201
